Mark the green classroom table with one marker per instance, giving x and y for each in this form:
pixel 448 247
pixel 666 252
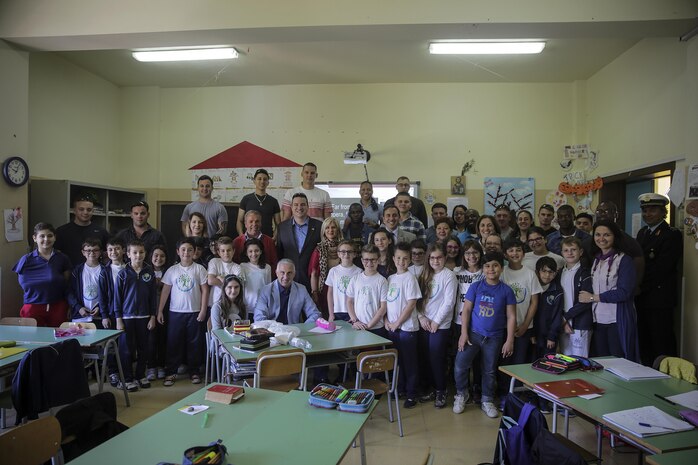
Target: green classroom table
pixel 95 344
pixel 263 428
pixel 684 457
pixel 325 346
pixel 619 395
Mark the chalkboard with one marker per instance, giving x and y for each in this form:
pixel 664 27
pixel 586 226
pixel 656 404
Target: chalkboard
pixel 170 214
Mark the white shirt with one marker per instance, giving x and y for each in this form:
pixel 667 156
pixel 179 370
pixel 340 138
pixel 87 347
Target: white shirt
pixel 442 296
pixel 90 288
pixel 254 279
pixel 218 267
pixel 368 292
pixel 465 280
pixel 567 282
pixel 524 283
pixel 530 260
pixel 416 269
pixel 186 282
pixel 338 279
pixel 402 288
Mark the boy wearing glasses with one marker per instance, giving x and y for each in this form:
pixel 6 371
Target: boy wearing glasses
pixel 338 279
pixel 367 294
pixel 537 242
pixel 88 294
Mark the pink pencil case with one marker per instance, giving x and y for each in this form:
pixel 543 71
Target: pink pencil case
pixel 690 416
pixel 324 324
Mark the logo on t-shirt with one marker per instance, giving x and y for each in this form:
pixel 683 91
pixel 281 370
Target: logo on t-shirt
pixel 184 282
pixel 343 284
pixel 393 293
pixel 486 306
pixel 89 292
pixel 550 299
pixel 434 289
pixel 519 291
pixel 146 277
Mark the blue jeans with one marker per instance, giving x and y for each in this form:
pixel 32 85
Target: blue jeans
pixel 406 344
pixel 432 355
pixel 490 346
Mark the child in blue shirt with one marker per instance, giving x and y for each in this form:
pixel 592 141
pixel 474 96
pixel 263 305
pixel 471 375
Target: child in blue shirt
pixel 488 321
pixel 135 300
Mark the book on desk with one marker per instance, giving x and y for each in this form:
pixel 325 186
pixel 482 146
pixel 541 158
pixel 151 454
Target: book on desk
pixel 567 388
pixel 646 421
pixel 630 371
pixel 224 393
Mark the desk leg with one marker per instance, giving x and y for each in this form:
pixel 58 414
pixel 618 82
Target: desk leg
pixel 112 343
pixel 599 441
pixel 512 382
pixel 554 418
pixel 567 423
pixel 362 447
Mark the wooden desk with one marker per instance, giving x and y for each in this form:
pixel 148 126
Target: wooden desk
pixel 619 395
pixel 96 344
pixel 265 427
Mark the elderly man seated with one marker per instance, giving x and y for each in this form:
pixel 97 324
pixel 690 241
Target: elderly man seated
pixel 285 300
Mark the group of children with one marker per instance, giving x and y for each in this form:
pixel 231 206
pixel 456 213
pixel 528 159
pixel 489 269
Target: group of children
pixel 164 312
pixel 492 310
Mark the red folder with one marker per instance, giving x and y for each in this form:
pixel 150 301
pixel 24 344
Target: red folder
pixel 568 388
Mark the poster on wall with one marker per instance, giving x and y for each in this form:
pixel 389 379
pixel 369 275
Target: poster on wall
pixel 457 185
pixel 14 224
pixel 516 193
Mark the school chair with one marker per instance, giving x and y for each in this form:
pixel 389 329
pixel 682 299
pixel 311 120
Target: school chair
pixel 5 395
pixel 32 443
pixel 676 367
pixel 280 370
pixel 97 356
pixel 380 361
pixel 17 321
pixel 213 359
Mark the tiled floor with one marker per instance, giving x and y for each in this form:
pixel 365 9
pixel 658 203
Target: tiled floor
pixel 453 439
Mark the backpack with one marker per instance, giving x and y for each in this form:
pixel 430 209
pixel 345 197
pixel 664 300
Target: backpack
pixel 520 424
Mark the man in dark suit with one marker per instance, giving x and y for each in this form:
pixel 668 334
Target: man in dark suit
pixel 662 246
pixel 298 236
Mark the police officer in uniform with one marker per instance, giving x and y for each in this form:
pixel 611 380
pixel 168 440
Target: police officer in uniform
pixel 662 246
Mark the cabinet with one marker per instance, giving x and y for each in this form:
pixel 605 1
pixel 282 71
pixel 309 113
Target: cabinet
pixel 51 201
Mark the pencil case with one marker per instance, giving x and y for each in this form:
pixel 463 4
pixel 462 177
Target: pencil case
pixel 347 400
pixel 213 454
pixel 690 416
pixel 324 324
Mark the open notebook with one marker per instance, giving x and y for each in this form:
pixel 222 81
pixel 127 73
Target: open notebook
pixel 628 370
pixel 646 421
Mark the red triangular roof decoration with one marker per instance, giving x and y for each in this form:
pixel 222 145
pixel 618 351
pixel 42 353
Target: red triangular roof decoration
pixel 245 155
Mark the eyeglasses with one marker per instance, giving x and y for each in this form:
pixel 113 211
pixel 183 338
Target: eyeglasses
pixel 369 260
pixel 452 247
pixel 345 252
pixel 92 251
pixel 471 253
pixel 537 239
pixel 418 254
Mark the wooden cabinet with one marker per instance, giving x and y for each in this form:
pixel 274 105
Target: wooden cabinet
pixel 51 201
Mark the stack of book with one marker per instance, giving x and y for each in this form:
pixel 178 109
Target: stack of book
pixel 256 339
pixel 224 393
pixel 241 326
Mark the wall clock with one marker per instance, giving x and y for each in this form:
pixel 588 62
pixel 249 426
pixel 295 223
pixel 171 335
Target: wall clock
pixel 15 171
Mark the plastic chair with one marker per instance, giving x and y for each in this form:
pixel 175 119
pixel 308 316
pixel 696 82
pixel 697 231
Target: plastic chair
pixel 17 321
pixel 32 443
pixel 279 370
pixel 380 361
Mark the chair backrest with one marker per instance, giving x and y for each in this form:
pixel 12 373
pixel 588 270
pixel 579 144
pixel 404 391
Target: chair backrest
pixel 376 361
pixel 70 324
pixel 281 362
pixel 676 367
pixel 17 321
pixel 32 443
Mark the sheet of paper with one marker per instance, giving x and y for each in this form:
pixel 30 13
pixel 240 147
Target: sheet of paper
pixel 193 409
pixel 687 399
pixel 590 396
pixel 319 330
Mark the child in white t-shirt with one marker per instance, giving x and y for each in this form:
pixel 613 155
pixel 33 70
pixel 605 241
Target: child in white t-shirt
pixel 186 285
pixel 220 267
pixel 256 272
pixel 401 322
pixel 338 279
pixel 367 293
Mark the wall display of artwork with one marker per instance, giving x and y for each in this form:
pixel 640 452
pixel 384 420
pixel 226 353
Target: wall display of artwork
pixel 516 193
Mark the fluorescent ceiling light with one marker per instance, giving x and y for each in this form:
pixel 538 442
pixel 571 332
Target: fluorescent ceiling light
pixel 192 54
pixel 485 48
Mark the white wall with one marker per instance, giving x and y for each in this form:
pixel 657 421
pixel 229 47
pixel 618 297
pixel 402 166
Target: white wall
pixel 74 122
pixel 14 71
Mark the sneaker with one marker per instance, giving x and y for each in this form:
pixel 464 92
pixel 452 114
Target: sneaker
pixel 489 409
pixel 144 383
pixel 114 379
pixel 410 403
pixel 195 379
pixel 169 380
pixel 427 397
pixel 182 369
pixel 151 374
pixel 161 373
pixel 459 402
pixel 131 386
pixel 440 401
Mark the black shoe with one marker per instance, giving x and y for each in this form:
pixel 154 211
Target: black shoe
pixel 402 395
pixel 427 397
pixel 440 401
pixel 410 403
pixel 114 379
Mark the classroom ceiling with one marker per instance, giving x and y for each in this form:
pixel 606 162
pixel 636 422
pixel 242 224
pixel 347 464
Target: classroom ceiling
pixel 357 54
